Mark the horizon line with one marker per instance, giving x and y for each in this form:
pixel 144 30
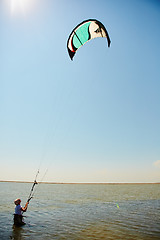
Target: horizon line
pixel 18 181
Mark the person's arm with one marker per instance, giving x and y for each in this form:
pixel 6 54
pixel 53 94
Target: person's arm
pixel 25 208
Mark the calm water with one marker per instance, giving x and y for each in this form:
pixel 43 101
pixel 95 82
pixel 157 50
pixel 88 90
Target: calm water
pixel 78 211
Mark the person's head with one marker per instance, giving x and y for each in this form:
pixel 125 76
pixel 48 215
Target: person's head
pixel 17 201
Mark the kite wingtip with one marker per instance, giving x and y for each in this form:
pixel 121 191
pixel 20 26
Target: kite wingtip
pixel 109 43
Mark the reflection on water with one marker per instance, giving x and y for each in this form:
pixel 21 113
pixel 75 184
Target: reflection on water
pixel 17 233
pixel 78 211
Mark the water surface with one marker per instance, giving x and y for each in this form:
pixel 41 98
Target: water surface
pixel 82 211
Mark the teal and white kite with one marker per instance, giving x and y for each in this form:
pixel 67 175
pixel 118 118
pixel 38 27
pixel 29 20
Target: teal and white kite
pixel 84 32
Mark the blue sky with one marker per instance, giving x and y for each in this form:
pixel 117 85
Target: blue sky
pixel 93 119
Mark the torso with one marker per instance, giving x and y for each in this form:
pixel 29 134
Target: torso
pixel 18 210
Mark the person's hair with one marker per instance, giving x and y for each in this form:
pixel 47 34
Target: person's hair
pixel 17 201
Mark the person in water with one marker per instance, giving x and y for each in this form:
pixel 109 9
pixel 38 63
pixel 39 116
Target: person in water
pixel 18 218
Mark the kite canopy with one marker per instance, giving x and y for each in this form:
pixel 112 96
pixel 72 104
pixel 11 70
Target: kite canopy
pixel 84 32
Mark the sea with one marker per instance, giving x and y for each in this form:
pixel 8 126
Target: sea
pixel 82 211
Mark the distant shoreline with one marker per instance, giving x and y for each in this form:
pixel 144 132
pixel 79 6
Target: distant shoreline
pixel 83 183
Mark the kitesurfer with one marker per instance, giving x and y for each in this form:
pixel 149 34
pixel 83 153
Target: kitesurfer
pixel 18 218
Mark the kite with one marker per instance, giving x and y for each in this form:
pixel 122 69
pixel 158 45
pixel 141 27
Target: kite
pixel 84 32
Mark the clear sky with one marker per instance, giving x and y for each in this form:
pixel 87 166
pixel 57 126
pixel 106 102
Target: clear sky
pixel 93 119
